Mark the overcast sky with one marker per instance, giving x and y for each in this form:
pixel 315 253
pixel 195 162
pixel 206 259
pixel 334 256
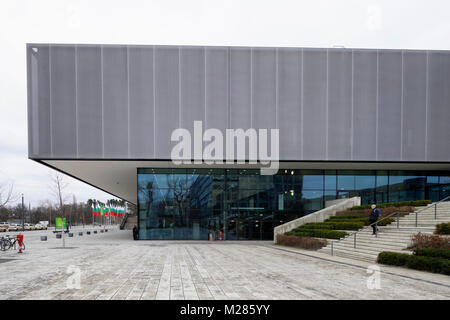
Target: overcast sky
pixel 353 24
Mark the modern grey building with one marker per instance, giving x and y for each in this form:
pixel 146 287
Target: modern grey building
pixel 374 123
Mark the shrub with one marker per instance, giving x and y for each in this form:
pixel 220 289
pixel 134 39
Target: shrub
pixel 436 265
pixel 432 252
pixel 347 217
pixel 443 228
pixel 301 242
pixel 347 225
pixel 319 225
pixel 288 240
pixel 421 240
pixel 404 210
pixel 333 225
pixel 432 264
pixel 363 221
pixel 415 203
pixel 386 222
pixel 393 258
pixel 318 233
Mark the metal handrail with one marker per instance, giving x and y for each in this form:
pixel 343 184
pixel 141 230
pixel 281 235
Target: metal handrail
pixel 388 216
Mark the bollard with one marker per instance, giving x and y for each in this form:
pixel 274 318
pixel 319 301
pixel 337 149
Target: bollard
pixel 70 234
pixel 80 233
pixel 43 238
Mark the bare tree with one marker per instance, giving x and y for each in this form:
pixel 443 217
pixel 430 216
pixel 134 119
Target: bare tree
pixel 58 185
pixel 7 194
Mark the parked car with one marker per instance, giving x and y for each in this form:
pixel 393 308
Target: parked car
pixel 4 226
pixel 14 227
pixel 39 226
pixel 29 227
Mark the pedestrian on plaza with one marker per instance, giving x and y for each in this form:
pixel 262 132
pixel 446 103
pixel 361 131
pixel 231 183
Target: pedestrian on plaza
pixel 375 213
pixel 135 233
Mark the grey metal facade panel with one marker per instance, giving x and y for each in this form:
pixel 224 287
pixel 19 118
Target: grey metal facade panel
pixel 39 102
pixel 364 105
pixel 89 101
pixel 289 101
pixel 414 105
pixel 264 88
pixel 438 109
pixel 141 113
pixel 240 88
pixel 192 87
pixel 63 101
pixel 389 105
pixel 339 104
pixel 216 88
pixel 314 104
pixel 123 102
pixel 167 98
pixel 115 102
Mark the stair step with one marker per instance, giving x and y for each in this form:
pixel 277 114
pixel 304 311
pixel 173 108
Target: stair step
pixel 378 242
pixel 374 248
pixel 352 254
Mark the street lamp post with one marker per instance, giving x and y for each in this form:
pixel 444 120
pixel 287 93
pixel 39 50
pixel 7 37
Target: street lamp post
pixel 23 215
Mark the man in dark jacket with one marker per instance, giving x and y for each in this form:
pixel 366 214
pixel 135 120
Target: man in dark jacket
pixel 135 233
pixel 375 213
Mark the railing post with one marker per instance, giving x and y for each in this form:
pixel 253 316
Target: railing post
pixel 435 211
pixel 354 240
pixel 398 220
pixel 416 219
pixel 332 247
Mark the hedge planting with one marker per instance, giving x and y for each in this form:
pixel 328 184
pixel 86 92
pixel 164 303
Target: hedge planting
pixel 318 233
pixel 347 225
pixel 335 225
pixel 443 228
pixel 393 258
pixel 347 217
pixel 432 252
pixel 436 265
pixel 301 242
pixel 415 203
pixel 365 213
pixel 432 264
pixel 364 221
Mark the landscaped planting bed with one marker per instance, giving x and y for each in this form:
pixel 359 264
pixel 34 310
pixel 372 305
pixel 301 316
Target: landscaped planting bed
pixel 415 203
pixel 416 261
pixel 443 228
pixel 431 253
pixel 301 242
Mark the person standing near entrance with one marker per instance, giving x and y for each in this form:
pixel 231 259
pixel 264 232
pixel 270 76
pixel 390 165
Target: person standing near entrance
pixel 135 233
pixel 375 213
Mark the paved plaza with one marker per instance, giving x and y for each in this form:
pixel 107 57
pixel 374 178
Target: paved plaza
pixel 113 266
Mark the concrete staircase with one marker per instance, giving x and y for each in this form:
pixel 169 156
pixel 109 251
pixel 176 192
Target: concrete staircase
pixel 390 238
pixel 131 222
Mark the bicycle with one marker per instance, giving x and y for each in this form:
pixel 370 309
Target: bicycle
pixel 8 242
pixel 4 243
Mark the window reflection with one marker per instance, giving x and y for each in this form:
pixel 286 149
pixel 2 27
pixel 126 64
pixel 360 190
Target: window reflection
pixel 191 203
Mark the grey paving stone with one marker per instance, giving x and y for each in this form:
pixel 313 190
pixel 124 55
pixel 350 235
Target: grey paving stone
pixel 113 266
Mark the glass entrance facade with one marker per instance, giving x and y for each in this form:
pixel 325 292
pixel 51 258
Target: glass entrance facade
pixel 189 204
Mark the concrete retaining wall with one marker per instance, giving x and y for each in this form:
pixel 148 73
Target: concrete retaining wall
pixel 333 206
